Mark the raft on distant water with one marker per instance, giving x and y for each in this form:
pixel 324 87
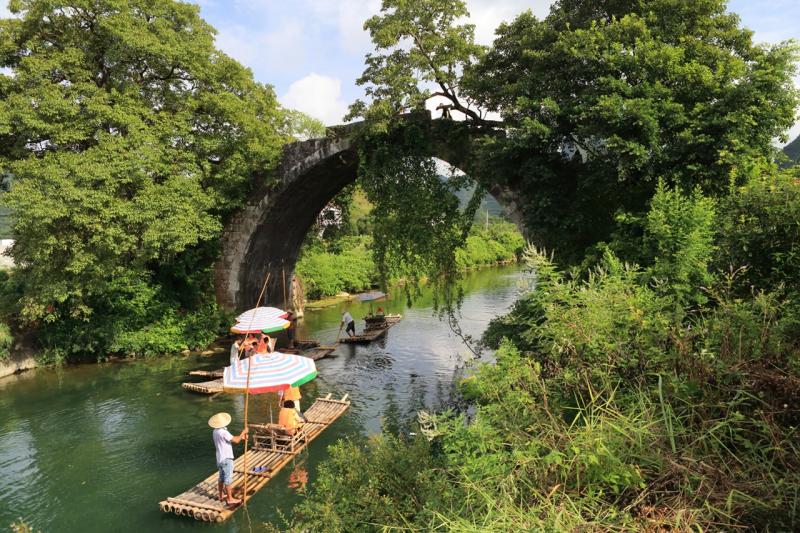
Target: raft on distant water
pixel 205 387
pixel 374 330
pixel 201 502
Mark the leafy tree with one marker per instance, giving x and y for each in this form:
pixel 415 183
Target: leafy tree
pixel 604 98
pixel 303 127
pixel 130 137
pixel 600 100
pixel 424 50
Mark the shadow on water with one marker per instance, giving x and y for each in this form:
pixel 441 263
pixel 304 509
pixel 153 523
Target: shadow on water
pixel 96 447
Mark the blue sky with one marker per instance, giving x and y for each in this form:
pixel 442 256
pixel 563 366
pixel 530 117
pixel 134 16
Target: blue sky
pixel 312 51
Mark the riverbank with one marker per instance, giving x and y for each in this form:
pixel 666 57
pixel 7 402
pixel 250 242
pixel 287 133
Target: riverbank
pixel 15 362
pixel 324 303
pixel 330 269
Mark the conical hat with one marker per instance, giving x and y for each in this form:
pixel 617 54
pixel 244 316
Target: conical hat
pixel 219 420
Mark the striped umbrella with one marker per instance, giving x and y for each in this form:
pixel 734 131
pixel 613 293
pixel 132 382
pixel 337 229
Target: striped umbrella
pixel 261 319
pixel 268 372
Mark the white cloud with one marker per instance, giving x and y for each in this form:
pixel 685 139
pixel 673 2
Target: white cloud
pixel 4 12
pixel 487 15
pixel 348 17
pixel 265 52
pixel 318 96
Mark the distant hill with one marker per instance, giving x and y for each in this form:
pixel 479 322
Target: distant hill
pixel 487 204
pixel 793 150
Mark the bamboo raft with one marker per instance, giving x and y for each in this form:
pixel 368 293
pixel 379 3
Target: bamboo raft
pixel 374 331
pixel 318 352
pixel 206 387
pixel 201 502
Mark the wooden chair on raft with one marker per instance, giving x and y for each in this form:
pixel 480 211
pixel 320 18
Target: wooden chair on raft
pixel 274 438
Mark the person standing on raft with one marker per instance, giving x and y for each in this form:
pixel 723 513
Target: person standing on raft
pixel 222 442
pixel 292 329
pixel 347 319
pixel 236 348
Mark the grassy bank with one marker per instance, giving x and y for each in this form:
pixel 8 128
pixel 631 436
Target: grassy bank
pixel 346 264
pixel 657 389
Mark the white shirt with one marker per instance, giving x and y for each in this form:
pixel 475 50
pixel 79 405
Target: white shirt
pixel 234 353
pixel 347 318
pixel 222 442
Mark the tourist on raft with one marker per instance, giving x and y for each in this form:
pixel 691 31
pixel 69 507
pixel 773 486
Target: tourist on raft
pixel 289 418
pixel 222 442
pixel 347 319
pixel 266 344
pixel 236 348
pixel 293 394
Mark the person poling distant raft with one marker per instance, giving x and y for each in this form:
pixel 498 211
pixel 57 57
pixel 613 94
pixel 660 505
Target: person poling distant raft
pixel 222 442
pixel 347 320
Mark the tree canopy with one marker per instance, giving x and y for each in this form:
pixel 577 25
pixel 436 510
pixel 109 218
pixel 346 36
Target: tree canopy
pixel 599 100
pixel 130 137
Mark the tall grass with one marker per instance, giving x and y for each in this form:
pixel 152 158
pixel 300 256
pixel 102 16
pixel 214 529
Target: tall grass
pixel 622 398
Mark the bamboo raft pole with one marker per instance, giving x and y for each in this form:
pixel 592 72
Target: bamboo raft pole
pixel 374 332
pixel 201 502
pixel 215 374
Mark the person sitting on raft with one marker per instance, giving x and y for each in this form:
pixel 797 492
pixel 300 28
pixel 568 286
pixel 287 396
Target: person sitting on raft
pixel 379 313
pixel 293 394
pixel 266 344
pixel 222 442
pixel 289 419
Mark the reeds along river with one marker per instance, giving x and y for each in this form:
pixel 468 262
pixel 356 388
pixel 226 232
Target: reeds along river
pixel 95 447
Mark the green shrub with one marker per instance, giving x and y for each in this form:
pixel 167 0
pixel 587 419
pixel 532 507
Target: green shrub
pixel 623 397
pixel 387 481
pixel 6 340
pixel 343 265
pixel 679 235
pixel 760 233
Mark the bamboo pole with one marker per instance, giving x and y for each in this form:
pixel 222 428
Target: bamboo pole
pixel 283 277
pixel 247 392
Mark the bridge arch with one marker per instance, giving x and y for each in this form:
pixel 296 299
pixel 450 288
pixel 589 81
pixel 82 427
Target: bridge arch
pixel 267 234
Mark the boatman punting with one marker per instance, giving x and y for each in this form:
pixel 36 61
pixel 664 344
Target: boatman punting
pixel 222 442
pixel 347 320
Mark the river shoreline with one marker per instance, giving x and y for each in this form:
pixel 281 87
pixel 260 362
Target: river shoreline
pixel 324 303
pixel 22 356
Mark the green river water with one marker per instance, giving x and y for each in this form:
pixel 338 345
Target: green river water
pixel 96 447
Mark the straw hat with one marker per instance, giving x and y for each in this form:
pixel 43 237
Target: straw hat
pixel 219 420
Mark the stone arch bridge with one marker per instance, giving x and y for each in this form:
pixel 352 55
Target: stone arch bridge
pixel 266 235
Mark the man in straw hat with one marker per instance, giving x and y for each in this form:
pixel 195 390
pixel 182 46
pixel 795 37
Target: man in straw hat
pixel 222 442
